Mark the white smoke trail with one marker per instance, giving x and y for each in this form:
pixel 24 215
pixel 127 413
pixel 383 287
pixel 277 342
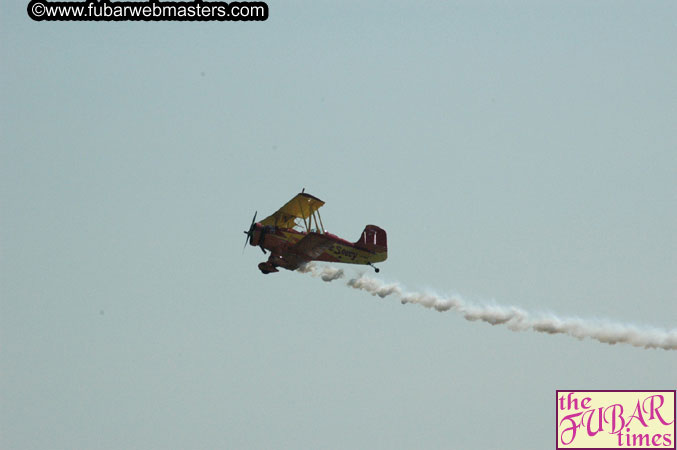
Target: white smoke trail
pixel 327 273
pixel 516 319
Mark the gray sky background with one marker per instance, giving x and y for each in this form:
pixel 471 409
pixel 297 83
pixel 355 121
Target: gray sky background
pixel 521 152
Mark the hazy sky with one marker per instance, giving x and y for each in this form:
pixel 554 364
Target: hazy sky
pixel 517 152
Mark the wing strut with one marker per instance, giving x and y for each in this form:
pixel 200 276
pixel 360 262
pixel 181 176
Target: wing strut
pixel 306 223
pixel 320 217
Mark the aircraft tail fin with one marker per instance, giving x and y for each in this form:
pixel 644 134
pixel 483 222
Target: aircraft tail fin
pixel 373 239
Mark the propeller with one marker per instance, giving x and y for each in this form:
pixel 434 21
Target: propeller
pixel 250 232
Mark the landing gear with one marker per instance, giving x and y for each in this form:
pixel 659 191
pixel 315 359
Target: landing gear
pixel 376 269
pixel 267 267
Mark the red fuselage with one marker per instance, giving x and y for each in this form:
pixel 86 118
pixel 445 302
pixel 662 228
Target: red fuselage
pixel 290 248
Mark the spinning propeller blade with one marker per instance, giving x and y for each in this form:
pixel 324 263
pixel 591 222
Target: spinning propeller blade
pixel 250 232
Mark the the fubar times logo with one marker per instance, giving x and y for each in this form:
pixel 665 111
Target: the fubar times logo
pixel 615 419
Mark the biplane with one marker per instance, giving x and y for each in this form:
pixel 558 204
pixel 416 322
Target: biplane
pixel 294 235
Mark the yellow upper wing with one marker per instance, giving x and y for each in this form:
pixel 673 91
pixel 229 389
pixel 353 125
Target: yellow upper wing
pixel 302 206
